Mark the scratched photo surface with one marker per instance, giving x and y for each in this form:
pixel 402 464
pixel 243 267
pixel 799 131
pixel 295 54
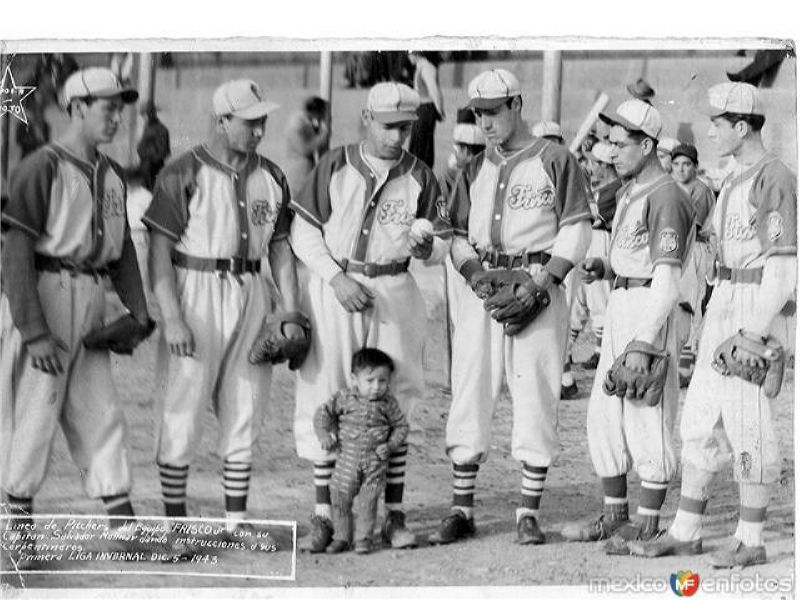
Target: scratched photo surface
pixel 341 174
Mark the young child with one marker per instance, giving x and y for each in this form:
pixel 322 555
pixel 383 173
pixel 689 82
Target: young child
pixel 366 423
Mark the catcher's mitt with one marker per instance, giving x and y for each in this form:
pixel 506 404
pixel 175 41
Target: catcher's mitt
pixel 757 359
pixel 627 383
pixel 273 346
pixel 516 300
pixel 120 336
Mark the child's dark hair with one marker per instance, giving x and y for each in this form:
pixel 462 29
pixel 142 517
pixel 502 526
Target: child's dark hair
pixel 371 358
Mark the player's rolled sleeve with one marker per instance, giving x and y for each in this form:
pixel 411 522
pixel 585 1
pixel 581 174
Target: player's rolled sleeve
pixel 313 202
pixel 310 248
pixel 670 218
pixel 29 189
pixel 175 186
pixel 570 247
pixel 776 213
pixel 571 185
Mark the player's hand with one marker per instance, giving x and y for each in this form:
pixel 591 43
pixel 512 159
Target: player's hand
pixel 420 246
pixel 638 361
pixel 328 443
pixel 591 270
pixel 382 451
pixel 353 296
pixel 44 354
pixel 179 338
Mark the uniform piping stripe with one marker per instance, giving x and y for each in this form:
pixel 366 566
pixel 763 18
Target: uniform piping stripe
pixel 153 225
pixel 610 500
pixel 526 492
pixel 19 225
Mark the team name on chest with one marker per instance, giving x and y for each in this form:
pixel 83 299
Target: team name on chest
pixel 632 235
pixel 528 197
pixel 736 228
pixel 113 203
pixel 394 211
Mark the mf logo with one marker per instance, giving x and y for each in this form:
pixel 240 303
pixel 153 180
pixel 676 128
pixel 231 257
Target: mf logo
pixel 684 583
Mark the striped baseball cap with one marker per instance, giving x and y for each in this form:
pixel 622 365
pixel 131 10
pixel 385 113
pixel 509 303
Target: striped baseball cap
pixel 465 133
pixel 737 98
pixel 492 89
pixel 97 82
pixel 241 98
pixel 392 102
pixel 635 115
pixel 547 129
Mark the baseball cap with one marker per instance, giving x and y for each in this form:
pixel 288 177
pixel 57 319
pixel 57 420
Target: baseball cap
pixel 667 145
pixel 97 82
pixel 464 133
pixel 392 102
pixel 686 150
pixel 601 152
pixel 241 98
pixel 635 115
pixel 729 97
pixel 493 88
pixel 547 128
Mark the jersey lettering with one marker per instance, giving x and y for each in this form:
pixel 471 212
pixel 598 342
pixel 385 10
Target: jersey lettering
pixel 633 236
pixel 736 229
pixel 527 197
pixel 113 204
pixel 395 212
pixel 261 213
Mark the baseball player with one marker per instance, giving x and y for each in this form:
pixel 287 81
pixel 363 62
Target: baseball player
pixel 522 205
pixel 354 233
pixel 591 298
pixel 665 147
pixel 218 210
pixel 66 232
pixel 468 142
pixel 651 236
pixel 693 282
pixel 755 224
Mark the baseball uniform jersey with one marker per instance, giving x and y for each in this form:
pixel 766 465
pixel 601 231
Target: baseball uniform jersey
pixel 213 211
pixel 653 225
pixel 75 212
pixel 514 204
pixel 356 212
pixel 754 219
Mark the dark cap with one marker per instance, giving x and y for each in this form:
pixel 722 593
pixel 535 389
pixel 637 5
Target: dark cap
pixel 641 89
pixel 686 150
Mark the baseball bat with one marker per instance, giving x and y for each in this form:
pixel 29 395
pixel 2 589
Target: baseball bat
pixel 591 117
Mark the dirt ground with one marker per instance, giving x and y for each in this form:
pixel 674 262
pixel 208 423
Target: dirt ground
pixel 282 489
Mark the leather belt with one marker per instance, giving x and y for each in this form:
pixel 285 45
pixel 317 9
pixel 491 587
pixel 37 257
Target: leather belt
pixel 235 265
pixel 498 260
pixel 375 269
pixel 54 264
pixel 628 283
pixel 739 275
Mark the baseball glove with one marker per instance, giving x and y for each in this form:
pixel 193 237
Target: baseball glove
pixel 273 346
pixel 120 336
pixel 516 300
pixel 627 383
pixel 757 359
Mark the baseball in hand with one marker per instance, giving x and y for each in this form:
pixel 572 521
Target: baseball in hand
pixel 421 230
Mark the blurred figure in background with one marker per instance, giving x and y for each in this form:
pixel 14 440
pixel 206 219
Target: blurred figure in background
pixel 664 150
pixel 307 137
pixel 431 108
pixel 549 130
pixel 154 146
pixel 641 90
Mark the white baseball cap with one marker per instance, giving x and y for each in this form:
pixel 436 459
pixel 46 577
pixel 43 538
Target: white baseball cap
pixel 493 88
pixel 547 128
pixel 97 82
pixel 241 98
pixel 667 144
pixel 392 102
pixel 635 115
pixel 601 152
pixel 466 133
pixel 729 97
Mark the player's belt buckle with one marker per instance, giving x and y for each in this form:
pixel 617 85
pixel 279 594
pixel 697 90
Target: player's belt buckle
pixel 370 270
pixel 236 265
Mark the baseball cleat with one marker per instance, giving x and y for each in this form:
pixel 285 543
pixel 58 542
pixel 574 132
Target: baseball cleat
pixel 528 531
pixel 665 545
pixel 631 531
pixel 394 531
pixel 337 547
pixel 455 526
pixel 363 546
pixel 593 531
pixel 321 534
pixel 735 554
